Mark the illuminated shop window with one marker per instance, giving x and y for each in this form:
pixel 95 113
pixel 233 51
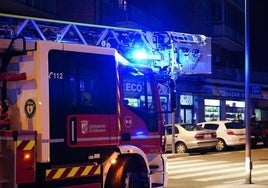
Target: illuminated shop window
pixel 212 109
pixel 186 100
pixel 235 110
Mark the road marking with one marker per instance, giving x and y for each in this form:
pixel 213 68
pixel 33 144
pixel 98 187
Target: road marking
pixel 209 171
pixel 202 170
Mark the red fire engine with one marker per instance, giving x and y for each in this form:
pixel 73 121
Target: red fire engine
pixel 74 112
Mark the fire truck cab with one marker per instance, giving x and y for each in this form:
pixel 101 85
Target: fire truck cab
pixel 95 118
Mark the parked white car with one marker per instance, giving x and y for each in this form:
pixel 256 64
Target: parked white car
pixel 229 133
pixel 190 137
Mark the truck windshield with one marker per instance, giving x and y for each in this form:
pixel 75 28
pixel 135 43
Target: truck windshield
pixel 139 94
pixel 138 91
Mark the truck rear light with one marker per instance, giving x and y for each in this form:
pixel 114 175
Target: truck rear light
pixel 27 156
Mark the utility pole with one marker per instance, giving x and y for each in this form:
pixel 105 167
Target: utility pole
pixel 248 163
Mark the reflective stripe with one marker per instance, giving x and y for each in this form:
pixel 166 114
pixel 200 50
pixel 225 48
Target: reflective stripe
pixel 25 145
pixel 97 139
pixel 72 172
pixel 57 140
pixel 6 138
pixel 91 139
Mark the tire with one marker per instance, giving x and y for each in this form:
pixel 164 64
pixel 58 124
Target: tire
pixel 180 147
pixel 221 145
pixel 126 174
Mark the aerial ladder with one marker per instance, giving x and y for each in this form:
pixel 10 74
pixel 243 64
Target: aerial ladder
pixel 167 52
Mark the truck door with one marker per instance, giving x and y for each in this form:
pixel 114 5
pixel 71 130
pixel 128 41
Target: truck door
pixel 82 105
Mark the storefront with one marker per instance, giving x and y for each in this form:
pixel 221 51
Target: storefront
pixel 228 104
pixel 212 109
pixel 219 100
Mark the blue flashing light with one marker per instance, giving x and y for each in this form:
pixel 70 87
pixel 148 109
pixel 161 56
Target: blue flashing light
pixel 139 54
pixel 140 134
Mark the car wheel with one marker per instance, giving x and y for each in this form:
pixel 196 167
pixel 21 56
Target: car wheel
pixel 180 148
pixel 221 145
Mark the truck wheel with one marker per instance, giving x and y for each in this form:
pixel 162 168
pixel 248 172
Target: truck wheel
pixel 125 174
pixel 221 145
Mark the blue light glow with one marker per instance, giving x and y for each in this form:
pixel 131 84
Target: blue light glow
pixel 139 54
pixel 139 133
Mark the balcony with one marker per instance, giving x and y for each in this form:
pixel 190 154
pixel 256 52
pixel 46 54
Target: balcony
pixel 227 37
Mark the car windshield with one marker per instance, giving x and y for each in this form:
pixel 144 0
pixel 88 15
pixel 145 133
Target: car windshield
pixel 192 127
pixel 234 125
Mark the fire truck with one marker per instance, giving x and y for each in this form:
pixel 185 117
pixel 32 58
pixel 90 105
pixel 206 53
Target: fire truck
pixel 78 111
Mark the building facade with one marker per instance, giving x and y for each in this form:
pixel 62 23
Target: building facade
pixel 220 95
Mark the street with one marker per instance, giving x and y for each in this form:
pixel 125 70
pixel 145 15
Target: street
pixel 216 168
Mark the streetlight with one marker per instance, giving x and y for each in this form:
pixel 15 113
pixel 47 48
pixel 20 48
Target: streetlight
pixel 248 163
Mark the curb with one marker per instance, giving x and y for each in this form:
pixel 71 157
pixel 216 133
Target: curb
pixel 175 155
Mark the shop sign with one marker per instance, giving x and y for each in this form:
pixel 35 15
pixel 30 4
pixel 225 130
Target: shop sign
pixel 256 89
pixel 241 94
pixel 235 94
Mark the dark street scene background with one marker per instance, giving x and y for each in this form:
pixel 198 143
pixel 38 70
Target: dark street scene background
pixel 223 21
pixel 201 97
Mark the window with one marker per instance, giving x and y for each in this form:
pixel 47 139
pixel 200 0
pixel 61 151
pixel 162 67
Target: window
pixel 138 91
pixel 82 82
pixel 212 109
pixel 211 126
pixel 217 11
pixel 234 125
pixel 169 130
pixel 235 110
pixel 139 94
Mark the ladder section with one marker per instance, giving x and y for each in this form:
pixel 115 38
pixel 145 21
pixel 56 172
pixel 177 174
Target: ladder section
pixel 63 31
pixel 167 52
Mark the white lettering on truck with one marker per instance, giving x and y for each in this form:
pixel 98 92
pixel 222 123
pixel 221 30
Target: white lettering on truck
pixel 92 128
pixel 133 87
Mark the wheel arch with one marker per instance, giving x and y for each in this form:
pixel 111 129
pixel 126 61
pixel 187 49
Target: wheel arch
pixel 222 139
pixel 130 155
